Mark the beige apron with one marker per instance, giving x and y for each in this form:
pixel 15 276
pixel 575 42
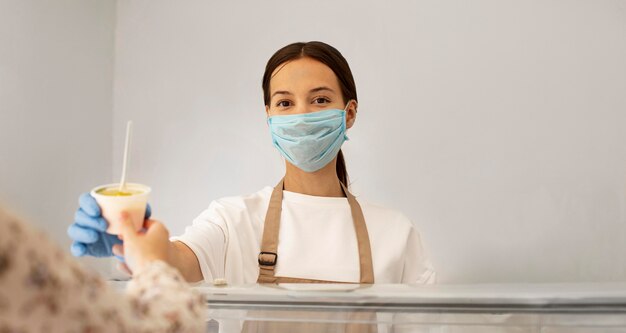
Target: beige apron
pixel 268 258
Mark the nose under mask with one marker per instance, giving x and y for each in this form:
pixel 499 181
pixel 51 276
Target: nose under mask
pixel 309 140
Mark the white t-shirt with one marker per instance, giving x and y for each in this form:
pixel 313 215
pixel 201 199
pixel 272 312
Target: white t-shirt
pixel 316 240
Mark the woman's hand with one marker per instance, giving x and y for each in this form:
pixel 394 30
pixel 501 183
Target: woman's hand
pixel 142 247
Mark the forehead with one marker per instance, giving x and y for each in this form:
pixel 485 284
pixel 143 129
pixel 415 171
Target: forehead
pixel 302 75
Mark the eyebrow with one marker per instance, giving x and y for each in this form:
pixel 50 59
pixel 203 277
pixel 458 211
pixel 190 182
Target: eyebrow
pixel 314 90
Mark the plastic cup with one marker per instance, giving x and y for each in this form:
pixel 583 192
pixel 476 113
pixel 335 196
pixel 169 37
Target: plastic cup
pixel 112 206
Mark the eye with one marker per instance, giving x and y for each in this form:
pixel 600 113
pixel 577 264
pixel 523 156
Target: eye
pixel 283 104
pixel 321 100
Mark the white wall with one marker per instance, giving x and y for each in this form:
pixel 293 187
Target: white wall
pixel 56 67
pixel 498 127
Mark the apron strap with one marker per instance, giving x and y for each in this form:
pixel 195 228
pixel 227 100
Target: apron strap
pixel 269 245
pixel 362 238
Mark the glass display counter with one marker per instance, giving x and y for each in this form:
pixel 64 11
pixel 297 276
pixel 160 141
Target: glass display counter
pixel 490 308
pixel 545 308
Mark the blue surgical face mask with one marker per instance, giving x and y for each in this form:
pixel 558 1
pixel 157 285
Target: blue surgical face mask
pixel 309 140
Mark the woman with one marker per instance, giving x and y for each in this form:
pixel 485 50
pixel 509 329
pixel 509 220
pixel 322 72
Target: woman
pixel 308 228
pixel 42 289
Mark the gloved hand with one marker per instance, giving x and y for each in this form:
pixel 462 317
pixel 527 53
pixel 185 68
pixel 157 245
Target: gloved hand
pixel 89 230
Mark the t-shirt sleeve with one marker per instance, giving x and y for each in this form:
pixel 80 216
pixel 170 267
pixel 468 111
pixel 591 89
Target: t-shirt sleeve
pixel 207 239
pixel 417 265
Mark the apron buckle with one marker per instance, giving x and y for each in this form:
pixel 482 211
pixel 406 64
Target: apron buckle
pixel 268 258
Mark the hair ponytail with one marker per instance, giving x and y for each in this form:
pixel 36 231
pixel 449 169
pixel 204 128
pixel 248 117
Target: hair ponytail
pixel 342 172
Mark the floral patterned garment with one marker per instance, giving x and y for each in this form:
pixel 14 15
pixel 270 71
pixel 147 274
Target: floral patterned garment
pixel 43 289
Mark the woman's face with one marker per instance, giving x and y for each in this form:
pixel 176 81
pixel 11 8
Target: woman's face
pixel 306 85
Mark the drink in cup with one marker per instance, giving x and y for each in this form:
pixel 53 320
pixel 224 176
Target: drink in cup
pixel 132 199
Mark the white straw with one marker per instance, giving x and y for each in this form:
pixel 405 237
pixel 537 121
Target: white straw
pixel 129 128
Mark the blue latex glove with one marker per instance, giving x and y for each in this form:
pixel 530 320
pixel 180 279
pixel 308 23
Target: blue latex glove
pixel 89 230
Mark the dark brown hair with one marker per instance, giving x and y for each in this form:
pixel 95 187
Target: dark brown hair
pixel 330 57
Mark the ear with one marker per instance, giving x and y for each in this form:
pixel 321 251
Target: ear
pixel 351 113
pixel 267 111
